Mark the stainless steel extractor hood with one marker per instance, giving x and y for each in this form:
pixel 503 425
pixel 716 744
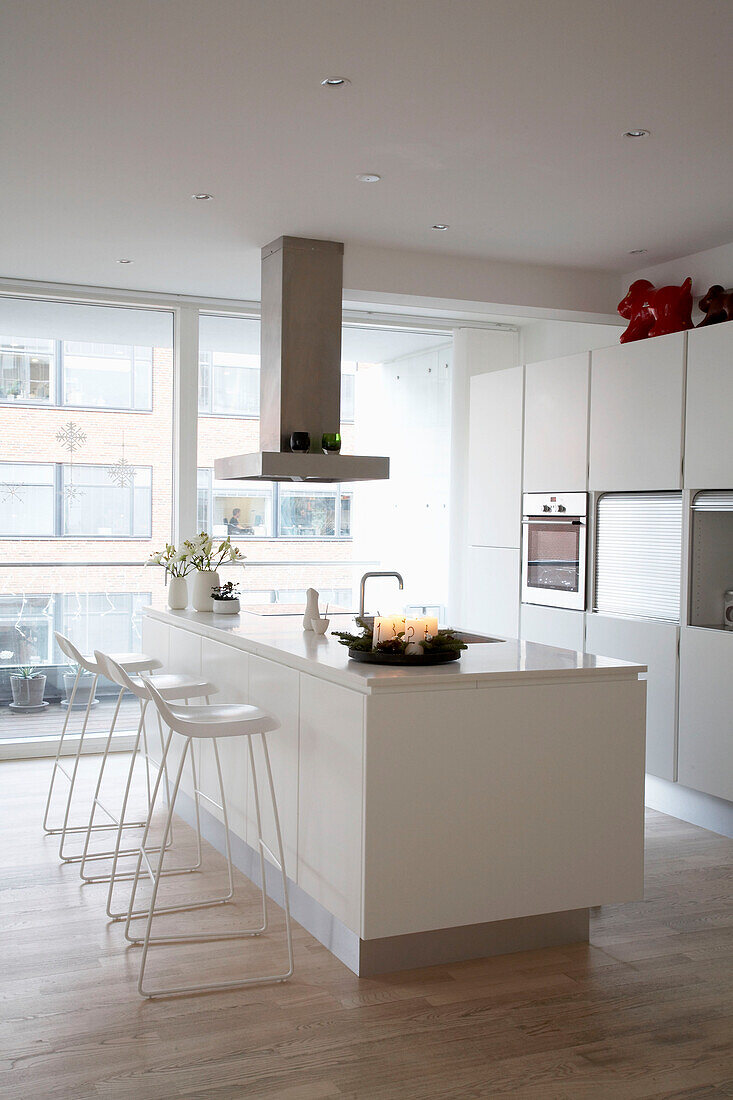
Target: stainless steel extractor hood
pixel 300 369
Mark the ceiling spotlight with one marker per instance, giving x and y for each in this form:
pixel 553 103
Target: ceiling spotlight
pixel 637 251
pixel 440 227
pixel 636 133
pixel 202 196
pixel 368 177
pixel 334 82
pixel 125 261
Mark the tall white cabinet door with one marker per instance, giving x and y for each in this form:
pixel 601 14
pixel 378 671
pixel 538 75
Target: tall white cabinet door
pixel 706 711
pixel 654 645
pixel 556 425
pixel 493 588
pixel 708 436
pixel 495 458
pixel 636 414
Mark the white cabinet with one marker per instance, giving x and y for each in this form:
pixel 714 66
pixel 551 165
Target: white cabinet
pixel 495 458
pixel 553 626
pixel 653 644
pixel 493 588
pixel 556 425
pixel 706 711
pixel 708 436
pixel 636 411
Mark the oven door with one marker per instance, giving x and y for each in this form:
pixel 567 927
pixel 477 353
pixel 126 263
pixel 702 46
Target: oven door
pixel 553 561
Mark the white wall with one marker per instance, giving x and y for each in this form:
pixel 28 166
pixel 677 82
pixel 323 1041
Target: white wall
pixel 475 351
pixel 541 340
pixel 715 265
pixel 403 523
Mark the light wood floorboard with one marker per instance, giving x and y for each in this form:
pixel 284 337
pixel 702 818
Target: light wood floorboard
pixel 645 1011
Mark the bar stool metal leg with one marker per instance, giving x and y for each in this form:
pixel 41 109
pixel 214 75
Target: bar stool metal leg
pixel 204 937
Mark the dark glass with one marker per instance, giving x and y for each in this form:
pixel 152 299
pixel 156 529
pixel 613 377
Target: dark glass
pixel 300 441
pixel 331 443
pixel 553 556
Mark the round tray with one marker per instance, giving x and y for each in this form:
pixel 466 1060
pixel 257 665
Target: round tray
pixel 372 657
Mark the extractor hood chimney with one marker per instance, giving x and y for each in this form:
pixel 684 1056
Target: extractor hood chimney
pixel 300 369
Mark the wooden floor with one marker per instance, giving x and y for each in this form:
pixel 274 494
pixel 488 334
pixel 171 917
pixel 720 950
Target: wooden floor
pixel 646 1011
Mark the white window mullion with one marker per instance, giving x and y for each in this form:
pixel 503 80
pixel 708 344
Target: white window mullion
pixel 185 421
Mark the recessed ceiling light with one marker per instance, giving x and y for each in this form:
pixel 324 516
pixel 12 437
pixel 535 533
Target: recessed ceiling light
pixel 368 177
pixel 334 82
pixel 636 133
pixel 202 196
pixel 637 251
pixel 125 261
pixel 440 227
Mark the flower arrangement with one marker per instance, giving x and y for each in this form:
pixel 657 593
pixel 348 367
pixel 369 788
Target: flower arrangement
pixel 228 591
pixel 176 562
pixel 200 554
pixel 206 556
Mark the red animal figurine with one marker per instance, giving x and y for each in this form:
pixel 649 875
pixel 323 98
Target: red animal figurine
pixel 717 305
pixel 656 312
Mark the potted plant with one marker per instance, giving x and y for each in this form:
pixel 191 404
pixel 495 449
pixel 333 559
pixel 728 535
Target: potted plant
pixel 206 557
pixel 225 598
pixel 83 688
pixel 28 687
pixel 177 564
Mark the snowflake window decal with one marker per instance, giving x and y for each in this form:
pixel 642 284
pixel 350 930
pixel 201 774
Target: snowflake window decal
pixel 10 490
pixel 71 437
pixel 122 472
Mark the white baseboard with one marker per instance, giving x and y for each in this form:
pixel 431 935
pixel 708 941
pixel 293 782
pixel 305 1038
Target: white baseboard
pixel 25 748
pixel 704 810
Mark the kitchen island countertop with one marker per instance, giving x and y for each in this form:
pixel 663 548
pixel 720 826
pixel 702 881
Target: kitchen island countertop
pixel 283 639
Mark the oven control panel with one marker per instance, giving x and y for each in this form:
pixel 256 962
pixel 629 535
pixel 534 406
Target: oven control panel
pixel 555 504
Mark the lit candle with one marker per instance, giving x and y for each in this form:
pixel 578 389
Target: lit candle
pixel 385 628
pixel 415 630
pixel 431 625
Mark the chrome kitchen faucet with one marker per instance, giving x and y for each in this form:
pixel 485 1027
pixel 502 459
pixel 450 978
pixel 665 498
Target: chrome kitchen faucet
pixel 362 586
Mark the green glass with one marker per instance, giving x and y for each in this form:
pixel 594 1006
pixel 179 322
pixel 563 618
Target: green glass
pixel 331 443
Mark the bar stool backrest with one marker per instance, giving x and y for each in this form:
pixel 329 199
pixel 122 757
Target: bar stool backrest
pixel 117 674
pixel 69 650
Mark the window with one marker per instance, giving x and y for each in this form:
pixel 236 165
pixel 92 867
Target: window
pixel 110 376
pixel 97 507
pixel 310 512
pixel 281 511
pixel 26 369
pixel 27 500
pixel 229 384
pixel 348 394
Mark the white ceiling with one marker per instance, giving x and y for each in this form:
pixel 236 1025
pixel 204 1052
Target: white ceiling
pixel 502 118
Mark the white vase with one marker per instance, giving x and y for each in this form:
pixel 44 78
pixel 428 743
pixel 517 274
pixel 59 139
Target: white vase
pixel 177 593
pixel 203 581
pixel 311 608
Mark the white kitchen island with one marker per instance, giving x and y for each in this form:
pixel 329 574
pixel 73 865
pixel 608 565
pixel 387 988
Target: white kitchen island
pixel 433 814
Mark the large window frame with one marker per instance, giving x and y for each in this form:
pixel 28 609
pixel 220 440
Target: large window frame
pixel 207 490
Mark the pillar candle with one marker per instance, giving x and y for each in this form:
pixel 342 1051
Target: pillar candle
pixel 431 625
pixel 386 627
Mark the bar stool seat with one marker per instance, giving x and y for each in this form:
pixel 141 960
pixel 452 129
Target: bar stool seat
pixel 211 722
pixel 135 663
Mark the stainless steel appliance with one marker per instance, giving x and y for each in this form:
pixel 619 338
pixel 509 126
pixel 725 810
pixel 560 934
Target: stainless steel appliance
pixel 554 546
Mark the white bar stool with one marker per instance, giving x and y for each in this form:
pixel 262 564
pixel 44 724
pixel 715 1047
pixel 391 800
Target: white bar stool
pixel 210 723
pixel 173 686
pixel 134 662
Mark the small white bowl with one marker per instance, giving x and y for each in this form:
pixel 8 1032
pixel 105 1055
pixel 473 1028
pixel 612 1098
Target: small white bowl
pixel 320 625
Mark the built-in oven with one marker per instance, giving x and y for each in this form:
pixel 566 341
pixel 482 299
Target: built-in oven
pixel 554 548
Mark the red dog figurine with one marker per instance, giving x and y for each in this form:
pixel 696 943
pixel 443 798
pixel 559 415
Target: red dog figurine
pixel 656 312
pixel 717 305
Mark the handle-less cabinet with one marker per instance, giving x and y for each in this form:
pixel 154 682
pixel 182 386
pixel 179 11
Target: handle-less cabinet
pixel 556 425
pixel 493 587
pixel 708 435
pixel 636 414
pixel 706 711
pixel 553 626
pixel 653 644
pixel 495 458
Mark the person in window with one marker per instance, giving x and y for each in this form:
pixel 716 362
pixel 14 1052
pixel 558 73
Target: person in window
pixel 234 527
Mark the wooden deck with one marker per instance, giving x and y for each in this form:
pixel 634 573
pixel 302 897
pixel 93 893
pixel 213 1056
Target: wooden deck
pixel 645 1011
pixel 48 722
